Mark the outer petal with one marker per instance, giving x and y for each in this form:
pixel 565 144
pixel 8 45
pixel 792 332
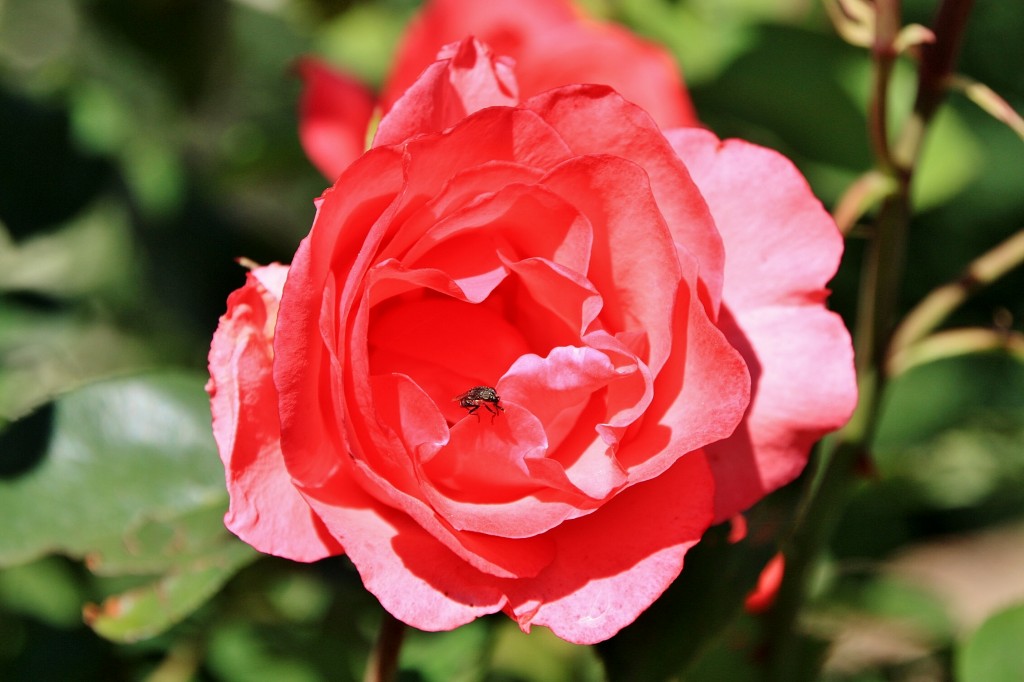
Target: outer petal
pixel 595 120
pixel 608 569
pixel 589 52
pixel 700 395
pixel 465 79
pixel 334 114
pixel 553 45
pixel 782 248
pixel 266 510
pixel 610 566
pixel 415 577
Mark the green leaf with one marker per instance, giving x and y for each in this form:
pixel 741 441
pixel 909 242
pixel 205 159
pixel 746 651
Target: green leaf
pixel 109 458
pixel 362 39
pixel 954 430
pixel 764 93
pixel 44 353
pixel 994 653
pixel 126 474
pixel 456 656
pixel 951 159
pixel 48 590
pixel 91 254
pixel 160 545
pixel 149 610
pixel 932 398
pixel 539 656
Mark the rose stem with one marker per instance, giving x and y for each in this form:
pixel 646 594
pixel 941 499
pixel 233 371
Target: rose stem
pixel 383 662
pixel 835 468
pixel 934 308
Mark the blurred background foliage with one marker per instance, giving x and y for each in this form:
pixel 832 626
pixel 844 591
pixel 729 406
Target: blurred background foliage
pixel 145 145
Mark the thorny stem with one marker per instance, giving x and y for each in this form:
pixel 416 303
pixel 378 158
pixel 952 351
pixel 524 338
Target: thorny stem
pixel 881 278
pixel 954 342
pixel 383 663
pixel 887 27
pixel 927 315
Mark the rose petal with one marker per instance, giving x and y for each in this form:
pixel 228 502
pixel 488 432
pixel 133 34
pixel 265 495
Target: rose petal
pixel 763 595
pixel 801 364
pixel 334 113
pixel 482 482
pixel 553 45
pixel 461 188
pixel 446 346
pixel 516 222
pixel 609 54
pixel 595 120
pixel 700 395
pixel 633 259
pixel 611 565
pixel 338 241
pixel 466 78
pixel 553 304
pixel 783 248
pixel 415 577
pixel 386 466
pixel 502 24
pixel 557 389
pixel 266 510
pixel 497 135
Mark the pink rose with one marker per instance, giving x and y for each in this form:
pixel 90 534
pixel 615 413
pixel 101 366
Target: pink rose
pixel 551 42
pixel 648 310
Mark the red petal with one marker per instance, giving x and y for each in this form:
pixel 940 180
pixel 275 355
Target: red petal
pixel 415 577
pixel 633 261
pixel 700 395
pixel 347 226
pixel 266 510
pixel 610 566
pixel 594 120
pixel 334 114
pixel 782 249
pixel 552 45
pixel 465 79
pixel 763 595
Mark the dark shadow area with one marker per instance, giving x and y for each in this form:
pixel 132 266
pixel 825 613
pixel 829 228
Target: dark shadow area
pixel 23 443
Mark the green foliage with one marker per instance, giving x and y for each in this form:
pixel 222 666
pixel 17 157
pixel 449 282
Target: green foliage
pixel 125 474
pixel 993 653
pixel 115 456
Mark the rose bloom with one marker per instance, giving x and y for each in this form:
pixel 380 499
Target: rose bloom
pixel 647 306
pixel 552 42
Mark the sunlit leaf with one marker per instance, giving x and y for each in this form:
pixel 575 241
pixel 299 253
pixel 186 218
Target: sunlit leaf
pixel 955 429
pixel 541 656
pixel 113 456
pixel 162 544
pixel 149 610
pixel 46 352
pixel 91 254
pixel 456 656
pixel 363 40
pixel 994 652
pixel 950 161
pixel 930 399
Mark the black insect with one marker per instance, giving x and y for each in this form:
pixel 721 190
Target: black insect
pixel 480 395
